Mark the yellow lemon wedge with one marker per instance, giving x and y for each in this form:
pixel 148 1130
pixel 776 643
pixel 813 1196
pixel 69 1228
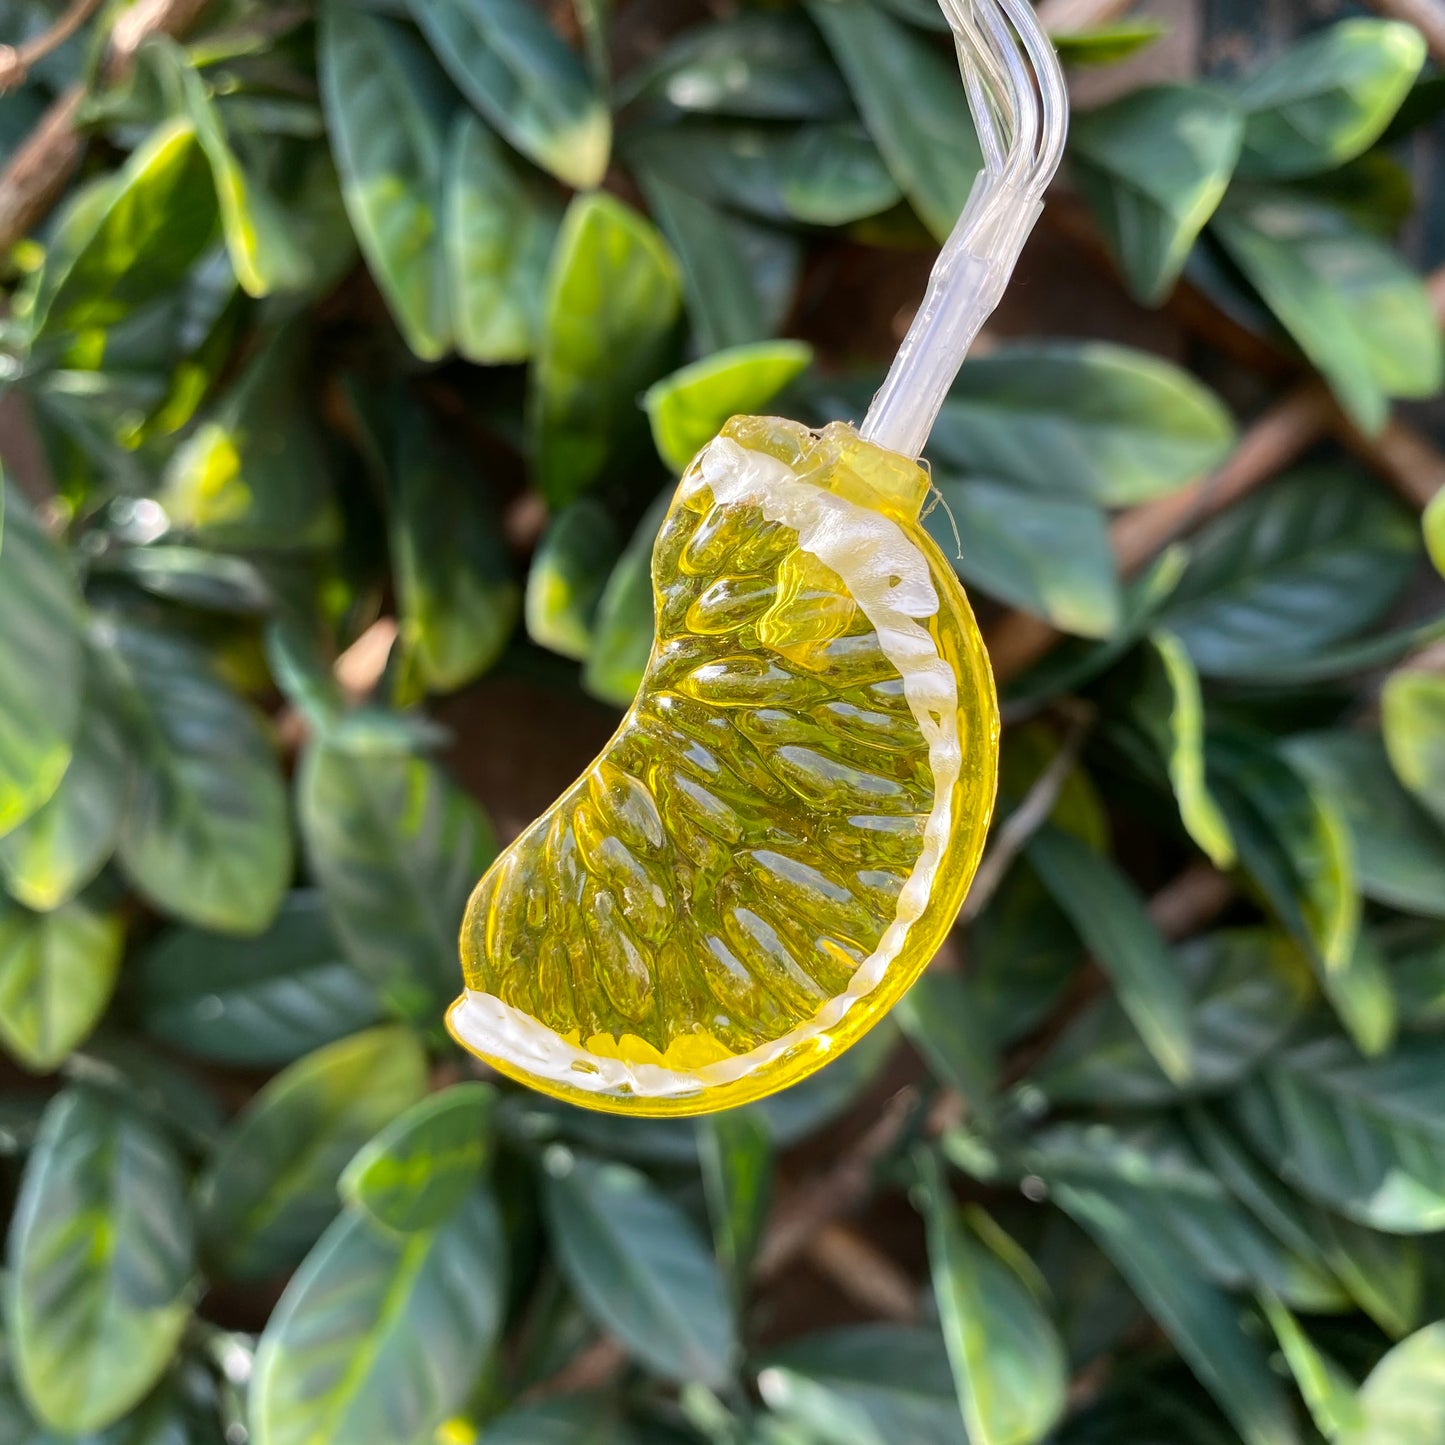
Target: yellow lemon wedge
pixel 780 834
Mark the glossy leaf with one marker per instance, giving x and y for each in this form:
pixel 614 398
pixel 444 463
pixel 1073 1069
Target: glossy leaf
pixel 254 1002
pixel 42 664
pixel 1398 851
pixel 865 1385
pixel 379 1339
pixel 397 848
pixel 57 973
pixel 512 66
pixel 420 1169
pixel 611 307
pixel 1351 304
pixel 639 1268
pixel 1008 1363
pixel 1328 98
pixel 941 1017
pixel 625 624
pixel 1434 525
pixel 735 1150
pixel 1153 166
pixel 1248 989
pixel 1315 557
pixel 1403 1402
pixel 1413 714
pixel 911 100
pixel 1366 1137
pixel 100 1258
pixel 1082 418
pixel 1107 44
pixel 574 559
pixel 270 1188
pixel 1111 920
pixel 206 833
pixel 1047 554
pixel 1327 1390
pixel 688 409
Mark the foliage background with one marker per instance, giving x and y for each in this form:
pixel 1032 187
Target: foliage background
pixel 340 405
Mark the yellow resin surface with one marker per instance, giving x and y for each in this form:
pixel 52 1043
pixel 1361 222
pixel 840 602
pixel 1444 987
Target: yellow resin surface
pixel 780 834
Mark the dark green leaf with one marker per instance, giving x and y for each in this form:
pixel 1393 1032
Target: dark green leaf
pixel 1008 1361
pixel 57 972
pixel 1398 851
pixel 205 834
pixel 574 559
pixel 42 664
pixel 625 624
pixel 270 1188
pixel 1327 1390
pixel 1417 971
pixel 688 408
pixel 576 1420
pixel 1402 1402
pixel 1082 418
pixel 1047 554
pixel 1315 557
pixel 1364 1136
pixel 379 1339
pixel 941 1016
pixel 254 1001
pixel 1107 44
pixel 866 1385
pixel 1351 304
pixel 735 1150
pixel 498 232
pixel 1413 714
pixel 1153 165
pixel 639 1267
pixel 1249 988
pixel 913 103
pixel 1110 918
pixel 100 1261
pixel 397 848
pixel 612 306
pixel 511 65
pixel 417 1172
pixel 1328 98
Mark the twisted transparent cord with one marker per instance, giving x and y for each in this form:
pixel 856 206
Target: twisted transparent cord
pixel 1021 113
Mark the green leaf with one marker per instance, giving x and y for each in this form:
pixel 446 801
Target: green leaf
pixel 379 1339
pixel 913 103
pixel 760 64
pixel 61 847
pixel 1417 971
pixel 1328 98
pixel 688 409
pixel 57 973
pixel 865 1385
pixel 42 664
pixel 1047 554
pixel 1153 166
pixel 639 1268
pixel 1398 851
pixel 1107 44
pixel 1434 525
pixel 1355 309
pixel 498 232
pixel 254 1002
pixel 625 625
pixel 511 65
pixel 1327 1390
pixel 100 1259
pixel 135 239
pixel 574 1420
pixel 1403 1402
pixel 205 834
pixel 941 1016
pixel 385 114
pixel 574 559
pixel 1248 987
pixel 459 600
pixel 418 1171
pixel 1008 1361
pixel 1363 1136
pixel 1315 557
pixel 1084 418
pixel 735 1150
pixel 397 848
pixel 611 309
pixel 270 1188
pixel 1413 714
pixel 1110 918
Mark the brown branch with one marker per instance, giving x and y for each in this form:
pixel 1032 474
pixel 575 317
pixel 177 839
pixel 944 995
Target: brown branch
pixel 865 1274
pixel 16 60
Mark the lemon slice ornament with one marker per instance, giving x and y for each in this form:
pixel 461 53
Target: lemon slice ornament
pixel 782 831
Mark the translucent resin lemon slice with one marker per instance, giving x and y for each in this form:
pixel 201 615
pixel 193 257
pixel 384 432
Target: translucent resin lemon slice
pixel 780 834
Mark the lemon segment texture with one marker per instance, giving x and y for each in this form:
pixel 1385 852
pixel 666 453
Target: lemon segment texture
pixel 781 832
